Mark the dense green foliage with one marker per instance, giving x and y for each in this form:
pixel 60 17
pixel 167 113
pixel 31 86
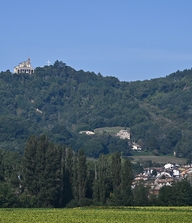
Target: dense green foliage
pixel 49 175
pixel 60 101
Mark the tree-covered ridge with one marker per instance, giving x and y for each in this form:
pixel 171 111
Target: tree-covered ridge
pixel 60 101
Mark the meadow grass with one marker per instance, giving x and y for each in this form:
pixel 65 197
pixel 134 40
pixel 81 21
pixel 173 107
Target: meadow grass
pixel 110 129
pixel 99 214
pixel 159 159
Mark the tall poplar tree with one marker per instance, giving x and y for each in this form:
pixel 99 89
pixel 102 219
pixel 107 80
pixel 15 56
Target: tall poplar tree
pixel 69 175
pixel 75 178
pixel 53 175
pixel 116 177
pixel 62 191
pixel 1 164
pixel 29 165
pixel 103 168
pixel 82 173
pixel 40 166
pixel 126 175
pixel 96 187
pixel 116 170
pixel 126 182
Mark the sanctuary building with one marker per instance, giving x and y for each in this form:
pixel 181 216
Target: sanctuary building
pixel 24 67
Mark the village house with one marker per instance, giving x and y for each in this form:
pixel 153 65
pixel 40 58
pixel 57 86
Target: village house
pixel 163 182
pixel 148 171
pixel 176 173
pixel 136 147
pixel 87 132
pixel 141 177
pixel 186 172
pixel 123 134
pixel 163 173
pixel 171 166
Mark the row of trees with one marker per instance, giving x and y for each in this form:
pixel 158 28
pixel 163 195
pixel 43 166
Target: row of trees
pixel 57 176
pixel 50 175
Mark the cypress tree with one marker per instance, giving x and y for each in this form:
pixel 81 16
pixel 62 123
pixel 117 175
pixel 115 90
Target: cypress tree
pixel 82 173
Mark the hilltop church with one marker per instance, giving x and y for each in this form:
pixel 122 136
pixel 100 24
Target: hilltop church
pixel 24 67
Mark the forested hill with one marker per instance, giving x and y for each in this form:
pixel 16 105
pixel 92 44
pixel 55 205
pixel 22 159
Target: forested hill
pixel 60 101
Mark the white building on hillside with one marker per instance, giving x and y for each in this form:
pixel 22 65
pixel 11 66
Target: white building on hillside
pixel 123 134
pixel 136 147
pixel 24 67
pixel 87 132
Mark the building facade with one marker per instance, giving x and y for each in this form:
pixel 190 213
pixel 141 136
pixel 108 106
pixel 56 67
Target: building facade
pixel 24 67
pixel 123 134
pixel 87 132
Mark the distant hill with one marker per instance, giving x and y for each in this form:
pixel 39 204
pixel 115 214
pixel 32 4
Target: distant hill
pixel 59 101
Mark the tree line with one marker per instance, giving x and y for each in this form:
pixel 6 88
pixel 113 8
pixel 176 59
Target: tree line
pixel 51 175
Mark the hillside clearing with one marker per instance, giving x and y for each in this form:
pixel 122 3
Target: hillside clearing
pixel 110 129
pixel 159 159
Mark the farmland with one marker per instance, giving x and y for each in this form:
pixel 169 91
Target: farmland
pixel 159 159
pixel 99 214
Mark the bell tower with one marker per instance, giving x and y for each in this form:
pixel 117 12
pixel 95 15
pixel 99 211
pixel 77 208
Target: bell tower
pixel 28 60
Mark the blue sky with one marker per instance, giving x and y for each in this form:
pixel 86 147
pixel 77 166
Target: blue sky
pixel 131 40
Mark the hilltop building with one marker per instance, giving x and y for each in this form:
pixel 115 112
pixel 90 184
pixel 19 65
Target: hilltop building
pixel 24 67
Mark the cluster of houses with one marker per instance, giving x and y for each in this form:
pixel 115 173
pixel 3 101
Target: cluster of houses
pixel 157 177
pixel 122 134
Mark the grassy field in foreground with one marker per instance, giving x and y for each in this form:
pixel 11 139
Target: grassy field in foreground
pixel 110 129
pixel 159 159
pixel 122 214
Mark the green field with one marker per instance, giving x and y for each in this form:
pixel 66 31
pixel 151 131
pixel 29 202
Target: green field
pixel 159 159
pixel 113 214
pixel 110 129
